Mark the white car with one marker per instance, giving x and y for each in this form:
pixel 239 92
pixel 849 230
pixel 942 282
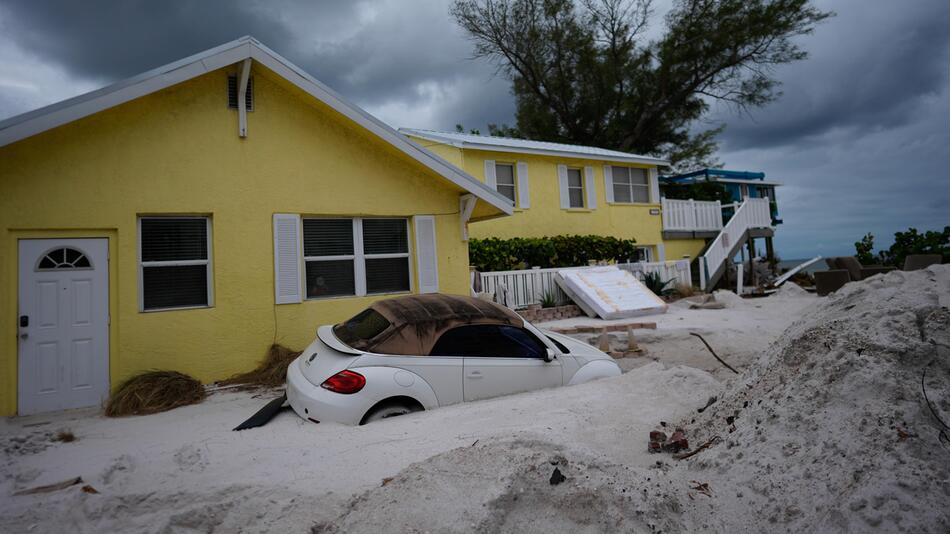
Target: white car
pixel 419 352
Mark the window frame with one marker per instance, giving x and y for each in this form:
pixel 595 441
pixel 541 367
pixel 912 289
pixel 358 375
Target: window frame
pixel 630 184
pixel 514 180
pixel 142 265
pixel 583 188
pixel 358 258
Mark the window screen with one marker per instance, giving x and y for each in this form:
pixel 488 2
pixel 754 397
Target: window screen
pixel 505 180
pixel 575 188
pixel 488 341
pixel 355 256
pixel 175 264
pixel 630 185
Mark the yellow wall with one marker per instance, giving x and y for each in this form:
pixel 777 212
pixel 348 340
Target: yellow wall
pixel 178 152
pixel 677 248
pixel 545 217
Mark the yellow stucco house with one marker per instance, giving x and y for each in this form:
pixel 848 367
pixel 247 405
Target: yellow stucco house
pixel 188 217
pixel 560 189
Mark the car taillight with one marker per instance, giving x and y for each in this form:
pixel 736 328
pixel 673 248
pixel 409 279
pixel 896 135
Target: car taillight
pixel 345 382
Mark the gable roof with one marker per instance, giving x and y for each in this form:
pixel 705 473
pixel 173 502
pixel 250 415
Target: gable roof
pixel 49 117
pixel 526 146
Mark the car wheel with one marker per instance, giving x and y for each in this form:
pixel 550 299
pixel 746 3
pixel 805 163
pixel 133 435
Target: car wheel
pixel 389 410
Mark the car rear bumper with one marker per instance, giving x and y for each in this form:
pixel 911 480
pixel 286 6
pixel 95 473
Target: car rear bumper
pixel 320 405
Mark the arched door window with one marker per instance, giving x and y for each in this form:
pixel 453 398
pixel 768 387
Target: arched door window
pixel 63 258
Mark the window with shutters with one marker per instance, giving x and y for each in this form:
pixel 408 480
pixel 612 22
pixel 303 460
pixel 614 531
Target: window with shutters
pixel 347 257
pixel 630 185
pixel 575 188
pixel 505 180
pixel 174 263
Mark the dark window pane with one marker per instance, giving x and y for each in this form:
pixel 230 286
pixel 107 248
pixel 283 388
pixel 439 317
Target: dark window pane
pixel 574 177
pixel 641 193
pixel 490 341
pixel 504 174
pixel 507 190
pixel 622 193
pixel 47 263
pixel 361 328
pixel 168 239
pixel 330 278
pixel 82 262
pixel 576 197
pixel 620 175
pixel 327 237
pixel 72 255
pixel 174 287
pixel 385 236
pixel 638 176
pixel 387 275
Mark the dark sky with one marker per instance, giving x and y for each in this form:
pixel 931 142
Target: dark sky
pixel 860 137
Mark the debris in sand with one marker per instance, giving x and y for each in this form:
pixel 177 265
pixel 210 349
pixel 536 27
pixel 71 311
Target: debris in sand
pixel 65 436
pixel 557 477
pixel 702 447
pixel 701 487
pixel 154 392
pixel 714 352
pixel 386 480
pixel 710 402
pixel 89 489
pixel 50 487
pixel 675 443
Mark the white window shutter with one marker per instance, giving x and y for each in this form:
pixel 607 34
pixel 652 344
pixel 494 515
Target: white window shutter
pixel 427 259
pixel 609 183
pixel 562 182
pixel 490 173
pixel 524 196
pixel 589 186
pixel 287 257
pixel 654 185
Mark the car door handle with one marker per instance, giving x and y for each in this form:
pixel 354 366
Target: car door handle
pixel 475 374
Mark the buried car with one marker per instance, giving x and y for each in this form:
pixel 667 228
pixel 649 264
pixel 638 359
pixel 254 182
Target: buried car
pixel 419 352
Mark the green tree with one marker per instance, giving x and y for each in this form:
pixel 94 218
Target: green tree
pixel 864 250
pixel 709 191
pixel 583 72
pixel 913 242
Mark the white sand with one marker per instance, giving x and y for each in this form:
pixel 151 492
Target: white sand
pixel 818 453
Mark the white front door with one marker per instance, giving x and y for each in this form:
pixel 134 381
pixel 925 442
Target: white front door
pixel 63 324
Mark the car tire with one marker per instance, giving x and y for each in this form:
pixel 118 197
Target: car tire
pixel 386 411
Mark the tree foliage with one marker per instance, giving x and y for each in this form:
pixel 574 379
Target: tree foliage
pixel 905 243
pixel 583 72
pixel 494 254
pixel 709 191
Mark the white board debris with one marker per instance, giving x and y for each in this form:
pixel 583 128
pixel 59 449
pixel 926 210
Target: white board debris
pixel 609 293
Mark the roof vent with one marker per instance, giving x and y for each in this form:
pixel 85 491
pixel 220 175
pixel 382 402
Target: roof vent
pixel 233 93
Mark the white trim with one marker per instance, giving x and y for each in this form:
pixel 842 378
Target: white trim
pixel 466 206
pixel 142 265
pixel 521 178
pixel 590 188
pixel 609 183
pixel 490 174
pixel 501 144
pixel 563 187
pixel 46 118
pixel 654 182
pixel 297 258
pixel 242 97
pixel 418 222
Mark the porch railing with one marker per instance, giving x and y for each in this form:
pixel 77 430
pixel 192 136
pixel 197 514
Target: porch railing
pixel 752 213
pixel 529 286
pixel 691 215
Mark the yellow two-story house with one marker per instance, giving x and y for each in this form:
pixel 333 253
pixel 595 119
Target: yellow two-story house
pixel 561 189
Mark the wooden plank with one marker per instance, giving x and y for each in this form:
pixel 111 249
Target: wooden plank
pixel 591 329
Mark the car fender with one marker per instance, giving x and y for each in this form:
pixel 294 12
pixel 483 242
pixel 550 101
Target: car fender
pixel 385 382
pixel 594 370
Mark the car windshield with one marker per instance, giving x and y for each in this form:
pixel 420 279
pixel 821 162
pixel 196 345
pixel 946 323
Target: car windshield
pixel 363 327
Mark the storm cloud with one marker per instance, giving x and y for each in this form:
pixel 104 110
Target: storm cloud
pixel 859 135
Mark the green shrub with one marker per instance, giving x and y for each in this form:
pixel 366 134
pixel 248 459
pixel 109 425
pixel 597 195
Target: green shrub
pixel 549 300
pixel 494 254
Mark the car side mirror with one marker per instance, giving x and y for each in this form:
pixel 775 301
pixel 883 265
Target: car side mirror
pixel 549 355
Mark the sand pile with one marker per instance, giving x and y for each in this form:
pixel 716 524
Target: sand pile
pixel 830 430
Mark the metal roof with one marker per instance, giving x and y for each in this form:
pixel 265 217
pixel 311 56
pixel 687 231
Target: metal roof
pixel 527 146
pixel 712 174
pixel 39 120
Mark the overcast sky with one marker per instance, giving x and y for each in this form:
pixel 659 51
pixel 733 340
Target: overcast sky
pixel 860 138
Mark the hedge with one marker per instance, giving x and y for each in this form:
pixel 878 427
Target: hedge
pixel 493 254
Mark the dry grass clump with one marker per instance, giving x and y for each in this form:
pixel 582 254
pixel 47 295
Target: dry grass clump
pixel 65 436
pixel 685 290
pixel 153 392
pixel 271 372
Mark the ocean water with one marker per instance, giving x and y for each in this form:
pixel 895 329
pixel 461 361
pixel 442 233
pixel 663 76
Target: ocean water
pixel 819 265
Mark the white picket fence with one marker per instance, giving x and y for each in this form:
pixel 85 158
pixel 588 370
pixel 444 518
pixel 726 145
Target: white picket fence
pixel 529 286
pixel 691 215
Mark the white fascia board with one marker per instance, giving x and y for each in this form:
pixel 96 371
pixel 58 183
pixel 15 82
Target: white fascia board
pixel 643 160
pixel 45 118
pixel 744 182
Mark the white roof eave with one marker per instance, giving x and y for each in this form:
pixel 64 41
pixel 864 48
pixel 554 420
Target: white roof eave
pixel 46 118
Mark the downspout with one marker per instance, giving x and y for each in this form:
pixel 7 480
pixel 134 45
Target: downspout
pixel 242 97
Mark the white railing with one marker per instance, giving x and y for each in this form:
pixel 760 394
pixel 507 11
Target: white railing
pixel 529 286
pixel 752 213
pixel 691 215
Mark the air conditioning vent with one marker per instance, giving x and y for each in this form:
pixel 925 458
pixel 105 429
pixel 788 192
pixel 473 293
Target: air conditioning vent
pixel 233 93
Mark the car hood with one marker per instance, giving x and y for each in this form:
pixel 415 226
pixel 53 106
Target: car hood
pixel 582 352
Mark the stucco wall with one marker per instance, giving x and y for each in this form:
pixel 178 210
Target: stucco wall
pixel 677 248
pixel 178 152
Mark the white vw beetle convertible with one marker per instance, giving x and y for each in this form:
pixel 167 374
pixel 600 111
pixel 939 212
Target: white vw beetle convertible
pixel 419 352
